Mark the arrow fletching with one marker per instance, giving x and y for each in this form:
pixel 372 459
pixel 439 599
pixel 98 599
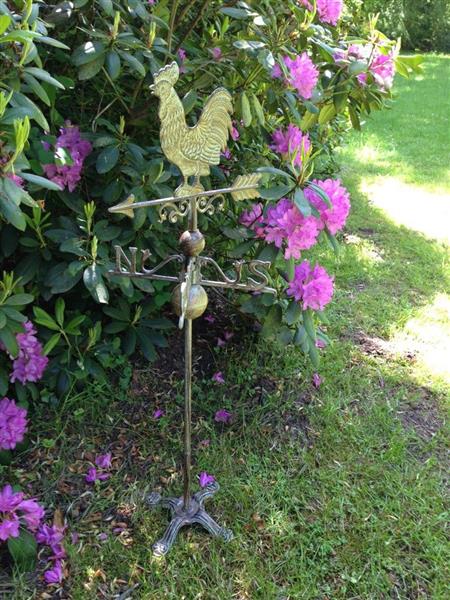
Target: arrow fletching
pixel 125 207
pixel 247 187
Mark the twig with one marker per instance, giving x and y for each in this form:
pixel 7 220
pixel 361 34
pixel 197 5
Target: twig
pixel 172 25
pixel 192 24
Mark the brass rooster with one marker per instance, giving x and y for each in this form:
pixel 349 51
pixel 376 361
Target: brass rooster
pixel 191 149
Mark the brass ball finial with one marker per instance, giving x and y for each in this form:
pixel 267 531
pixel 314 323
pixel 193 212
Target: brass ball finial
pixel 197 301
pixel 192 242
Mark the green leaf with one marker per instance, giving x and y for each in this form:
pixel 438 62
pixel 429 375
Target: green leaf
pixel 51 343
pixel 19 299
pixel 302 203
pixel 276 192
pixel 88 52
pixel 37 88
pixel 147 346
pixel 73 325
pixel 327 113
pixel 308 120
pixel 238 13
pixel 10 210
pixel 93 280
pixel 107 6
pixel 5 20
pixel 258 110
pixel 44 76
pixel 3 319
pixel 246 110
pixel 20 100
pixel 274 171
pixel 308 323
pixel 272 321
pixel 357 66
pixel 314 355
pixel 43 318
pixel 14 314
pixel 59 311
pixel 41 181
pixel 107 159
pixel 9 340
pixel 23 550
pixel 112 64
pixel 90 70
pixel 133 62
pixel 293 313
pixel 354 118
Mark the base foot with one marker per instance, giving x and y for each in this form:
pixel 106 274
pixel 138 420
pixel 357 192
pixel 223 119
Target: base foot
pixel 182 515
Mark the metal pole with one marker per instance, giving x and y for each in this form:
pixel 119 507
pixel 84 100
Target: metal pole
pixel 187 412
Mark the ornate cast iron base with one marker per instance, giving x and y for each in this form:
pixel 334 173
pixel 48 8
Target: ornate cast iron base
pixel 180 517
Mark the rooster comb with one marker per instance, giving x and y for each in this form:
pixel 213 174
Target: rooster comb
pixel 169 73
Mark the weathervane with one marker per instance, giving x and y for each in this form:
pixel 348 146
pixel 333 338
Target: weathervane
pixel 192 150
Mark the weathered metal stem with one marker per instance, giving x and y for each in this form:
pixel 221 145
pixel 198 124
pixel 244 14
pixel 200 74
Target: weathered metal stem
pixel 187 412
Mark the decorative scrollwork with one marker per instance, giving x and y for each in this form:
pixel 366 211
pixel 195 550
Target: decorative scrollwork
pixel 255 267
pixel 171 211
pixel 206 205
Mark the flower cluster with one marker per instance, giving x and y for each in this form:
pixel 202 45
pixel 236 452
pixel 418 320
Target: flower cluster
pixel 285 225
pixel 52 536
pixel 303 74
pixel 379 64
pixel 329 11
pixel 16 512
pixel 291 144
pixel 312 286
pixel 13 424
pixel 70 140
pixel 334 217
pixel 31 362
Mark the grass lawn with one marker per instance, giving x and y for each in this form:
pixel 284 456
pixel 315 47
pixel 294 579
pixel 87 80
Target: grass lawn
pixel 334 492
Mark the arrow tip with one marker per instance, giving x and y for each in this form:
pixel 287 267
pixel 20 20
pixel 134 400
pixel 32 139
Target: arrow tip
pixel 125 207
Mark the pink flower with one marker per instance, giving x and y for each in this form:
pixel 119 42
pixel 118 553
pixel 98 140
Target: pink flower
pixel 291 143
pixel 221 343
pixel 31 362
pixel 217 53
pixel 204 443
pixel 320 343
pixel 9 500
pixel 311 286
pixel 286 224
pixel 158 413
pixel 50 535
pixel 209 318
pixel 93 475
pixel 16 512
pixel 33 513
pixel 13 424
pixel 316 380
pixel 103 460
pixel 276 72
pixel 227 154
pixel 9 527
pixel 235 135
pixel 223 416
pixel 16 179
pixel 253 219
pixel 69 175
pixel 329 11
pixel 218 377
pixel 333 218
pixel 303 74
pixel 55 574
pixel 182 57
pixel 205 479
pixel 228 335
pixel 383 70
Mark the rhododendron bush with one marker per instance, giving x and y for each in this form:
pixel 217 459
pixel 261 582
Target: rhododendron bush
pixel 79 132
